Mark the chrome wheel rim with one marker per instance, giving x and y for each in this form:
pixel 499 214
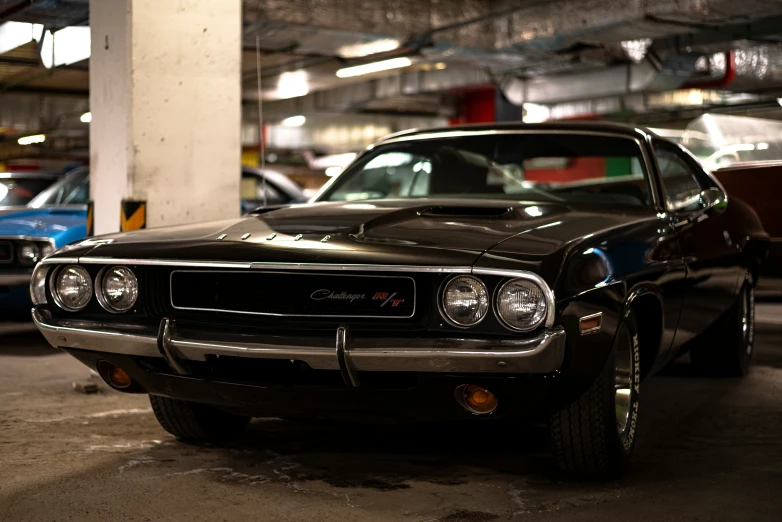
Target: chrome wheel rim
pixel 748 318
pixel 623 381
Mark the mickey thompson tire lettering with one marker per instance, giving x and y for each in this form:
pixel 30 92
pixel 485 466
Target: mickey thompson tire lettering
pixel 584 436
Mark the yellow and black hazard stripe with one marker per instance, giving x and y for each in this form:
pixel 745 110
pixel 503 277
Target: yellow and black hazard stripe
pixel 90 218
pixel 133 215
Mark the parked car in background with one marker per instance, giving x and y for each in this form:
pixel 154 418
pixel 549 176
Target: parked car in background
pixel 18 188
pixel 58 216
pixel 745 155
pixel 480 273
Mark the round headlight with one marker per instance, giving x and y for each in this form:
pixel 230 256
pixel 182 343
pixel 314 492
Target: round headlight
pixel 72 288
pixel 29 254
pixel 118 289
pixel 465 300
pixel 46 251
pixel 522 304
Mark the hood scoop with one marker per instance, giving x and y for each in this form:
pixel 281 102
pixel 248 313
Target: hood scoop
pixel 466 211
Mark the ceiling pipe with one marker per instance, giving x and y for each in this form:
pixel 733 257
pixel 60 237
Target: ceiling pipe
pixel 719 83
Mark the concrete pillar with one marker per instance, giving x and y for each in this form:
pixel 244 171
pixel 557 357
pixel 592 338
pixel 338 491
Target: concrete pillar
pixel 165 98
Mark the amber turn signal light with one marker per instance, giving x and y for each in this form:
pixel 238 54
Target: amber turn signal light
pixel 114 375
pixel 476 399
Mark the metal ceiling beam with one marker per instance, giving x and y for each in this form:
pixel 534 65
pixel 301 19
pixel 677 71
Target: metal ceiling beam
pixel 9 12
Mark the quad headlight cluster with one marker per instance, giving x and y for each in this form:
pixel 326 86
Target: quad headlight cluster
pixel 520 304
pixel 28 253
pixel 72 287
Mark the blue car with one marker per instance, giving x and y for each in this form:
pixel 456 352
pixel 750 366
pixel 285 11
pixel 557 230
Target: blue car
pixel 55 217
pixel 58 216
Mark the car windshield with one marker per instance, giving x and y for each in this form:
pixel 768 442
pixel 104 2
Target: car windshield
pixel 73 189
pixel 513 166
pixel 20 190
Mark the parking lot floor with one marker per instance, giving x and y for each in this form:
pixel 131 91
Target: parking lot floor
pixel 709 449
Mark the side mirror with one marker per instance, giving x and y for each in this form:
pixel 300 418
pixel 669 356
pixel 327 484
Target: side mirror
pixel 714 200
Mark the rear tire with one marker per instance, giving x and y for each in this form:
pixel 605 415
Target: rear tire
pixel 594 436
pixel 726 350
pixel 196 422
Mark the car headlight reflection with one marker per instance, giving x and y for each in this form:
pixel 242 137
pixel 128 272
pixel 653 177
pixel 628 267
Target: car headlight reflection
pixel 117 289
pixel 522 304
pixel 72 288
pixel 465 300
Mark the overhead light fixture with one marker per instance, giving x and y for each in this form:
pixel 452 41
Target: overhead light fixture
pixel 293 84
pixel 369 68
pixel 779 101
pixel 294 121
pixel 762 146
pixel 66 46
pixel 29 140
pixel 535 113
pixel 17 34
pixel 86 117
pixel 360 50
pixel 333 171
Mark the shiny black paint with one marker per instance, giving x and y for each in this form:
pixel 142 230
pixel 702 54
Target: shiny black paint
pixel 686 267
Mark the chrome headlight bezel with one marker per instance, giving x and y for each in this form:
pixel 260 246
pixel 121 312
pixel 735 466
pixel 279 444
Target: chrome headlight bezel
pixel 441 301
pixel 38 284
pixel 100 291
pixel 55 278
pixel 546 319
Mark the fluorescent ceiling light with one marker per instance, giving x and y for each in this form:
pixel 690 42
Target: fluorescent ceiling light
pixel 17 34
pixel 294 121
pixel 66 46
pixel 333 171
pixel 29 140
pixel 293 84
pixel 86 117
pixel 763 146
pixel 369 68
pixel 363 49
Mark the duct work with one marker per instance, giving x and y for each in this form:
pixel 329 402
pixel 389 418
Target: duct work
pixel 513 36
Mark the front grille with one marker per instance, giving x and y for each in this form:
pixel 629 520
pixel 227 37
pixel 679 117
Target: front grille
pixel 294 294
pixel 239 306
pixel 6 252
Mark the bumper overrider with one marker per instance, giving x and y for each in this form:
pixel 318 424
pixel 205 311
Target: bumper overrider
pixel 351 355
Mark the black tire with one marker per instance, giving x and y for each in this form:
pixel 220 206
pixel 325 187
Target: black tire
pixel 726 350
pixel 196 422
pixel 588 441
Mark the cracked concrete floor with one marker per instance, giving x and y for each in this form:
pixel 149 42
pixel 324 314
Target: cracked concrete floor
pixel 709 449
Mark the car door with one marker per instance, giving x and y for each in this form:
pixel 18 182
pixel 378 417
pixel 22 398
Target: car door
pixel 695 205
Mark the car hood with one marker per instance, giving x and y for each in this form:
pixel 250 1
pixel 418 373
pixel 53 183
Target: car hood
pixel 40 222
pixel 442 232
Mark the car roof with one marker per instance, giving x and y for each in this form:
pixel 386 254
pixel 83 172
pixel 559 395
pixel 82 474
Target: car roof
pixel 634 131
pixel 278 178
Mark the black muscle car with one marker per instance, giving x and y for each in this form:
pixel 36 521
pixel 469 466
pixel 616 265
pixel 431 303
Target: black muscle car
pixel 481 272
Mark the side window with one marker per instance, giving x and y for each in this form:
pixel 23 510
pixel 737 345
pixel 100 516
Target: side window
pixel 681 183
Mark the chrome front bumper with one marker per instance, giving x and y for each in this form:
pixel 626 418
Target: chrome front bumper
pixel 16 277
pixel 178 345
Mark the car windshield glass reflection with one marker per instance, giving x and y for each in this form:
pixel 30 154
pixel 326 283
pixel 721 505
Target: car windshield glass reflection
pixel 538 167
pixel 20 191
pixel 74 189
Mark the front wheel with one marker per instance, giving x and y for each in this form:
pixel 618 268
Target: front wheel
pixel 196 422
pixel 593 437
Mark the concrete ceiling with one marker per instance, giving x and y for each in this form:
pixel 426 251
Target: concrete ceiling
pixel 538 51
